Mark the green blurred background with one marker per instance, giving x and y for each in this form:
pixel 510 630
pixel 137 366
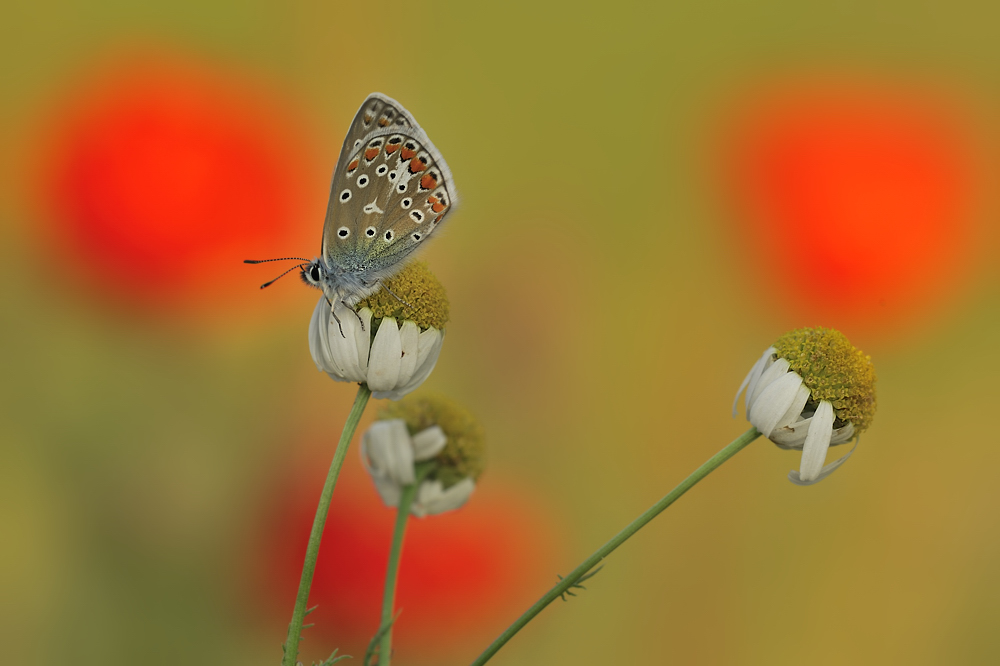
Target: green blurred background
pixel 608 294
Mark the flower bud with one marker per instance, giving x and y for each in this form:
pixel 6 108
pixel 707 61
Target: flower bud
pixel 426 428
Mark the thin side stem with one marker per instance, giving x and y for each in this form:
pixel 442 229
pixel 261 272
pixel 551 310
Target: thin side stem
pixel 574 577
pixel 312 550
pixel 392 571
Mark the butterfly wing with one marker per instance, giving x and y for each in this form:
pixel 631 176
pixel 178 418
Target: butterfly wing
pixel 377 111
pixel 391 190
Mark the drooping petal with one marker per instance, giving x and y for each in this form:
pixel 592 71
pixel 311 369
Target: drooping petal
pixel 765 360
pixel 842 435
pixel 363 340
pixel 329 334
pixel 428 443
pixel 343 343
pixel 773 372
pixel 430 343
pixel 387 452
pixel 796 478
pixel 793 435
pixel 433 498
pixel 316 324
pixel 794 412
pixel 384 360
pixel 746 380
pixel 409 334
pixel 817 442
pixel 774 402
pixel 388 490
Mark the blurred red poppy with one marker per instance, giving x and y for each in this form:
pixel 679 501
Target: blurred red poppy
pixel 860 200
pixel 160 175
pixel 464 575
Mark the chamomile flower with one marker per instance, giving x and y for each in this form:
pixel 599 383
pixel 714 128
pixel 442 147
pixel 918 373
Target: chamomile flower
pixel 390 340
pixel 809 391
pixel 425 428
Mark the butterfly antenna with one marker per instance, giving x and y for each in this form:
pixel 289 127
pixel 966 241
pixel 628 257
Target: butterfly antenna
pixel 396 296
pixel 268 284
pixel 264 261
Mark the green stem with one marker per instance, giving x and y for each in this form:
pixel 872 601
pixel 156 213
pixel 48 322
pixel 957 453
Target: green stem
pixel 602 552
pixel 312 550
pixel 392 572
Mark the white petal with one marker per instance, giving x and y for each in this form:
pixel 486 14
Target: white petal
pixel 343 343
pixel 330 335
pixel 746 380
pixel 762 364
pixel 319 344
pixel 387 451
pixel 774 402
pixel 409 334
pixel 842 435
pixel 314 346
pixel 384 359
pixel 792 436
pixel 774 370
pixel 817 442
pixel 388 490
pixel 796 478
pixel 432 498
pixel 430 343
pixel 794 412
pixel 363 340
pixel 428 443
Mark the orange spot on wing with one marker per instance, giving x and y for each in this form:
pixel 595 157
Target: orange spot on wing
pixel 406 153
pixel 429 183
pixel 352 166
pixel 391 148
pixel 438 219
pixel 438 207
pixel 416 165
pixel 383 121
pixel 371 153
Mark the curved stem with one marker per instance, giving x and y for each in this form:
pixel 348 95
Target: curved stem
pixel 577 574
pixel 291 646
pixel 392 571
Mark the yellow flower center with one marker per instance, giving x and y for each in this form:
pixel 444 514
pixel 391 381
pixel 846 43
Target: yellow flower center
pixel 424 300
pixel 833 370
pixel 465 453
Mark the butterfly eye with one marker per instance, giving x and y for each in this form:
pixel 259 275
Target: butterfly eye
pixel 314 273
pixel 362 181
pixel 343 232
pixel 370 232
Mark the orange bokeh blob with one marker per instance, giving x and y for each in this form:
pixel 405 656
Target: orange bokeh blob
pixel 464 575
pixel 859 201
pixel 160 175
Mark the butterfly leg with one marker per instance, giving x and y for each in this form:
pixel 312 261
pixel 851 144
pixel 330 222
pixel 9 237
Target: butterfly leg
pixel 336 318
pixel 360 320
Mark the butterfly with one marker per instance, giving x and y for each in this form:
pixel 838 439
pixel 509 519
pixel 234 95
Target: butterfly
pixel 391 191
